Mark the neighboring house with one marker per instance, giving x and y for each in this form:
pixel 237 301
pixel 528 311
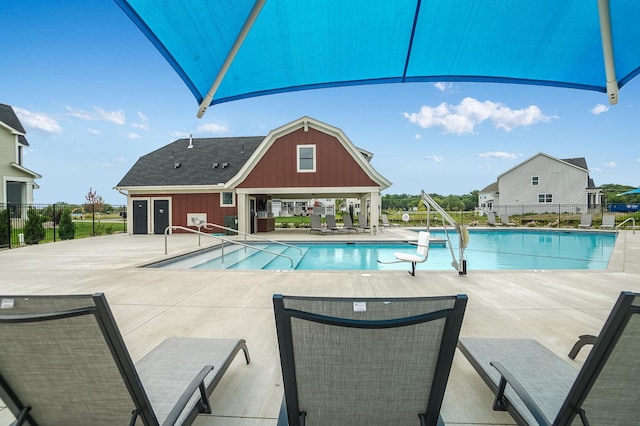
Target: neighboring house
pixel 18 182
pixel 539 182
pixel 229 180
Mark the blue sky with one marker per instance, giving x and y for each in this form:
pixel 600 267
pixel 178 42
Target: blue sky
pixel 94 95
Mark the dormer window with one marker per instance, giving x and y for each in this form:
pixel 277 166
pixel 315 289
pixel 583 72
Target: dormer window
pixel 306 158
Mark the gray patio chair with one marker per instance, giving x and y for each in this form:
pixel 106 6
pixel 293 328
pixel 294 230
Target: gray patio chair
pixel 331 223
pixel 491 219
pixel 366 361
pixel 362 222
pixel 63 361
pixel 586 219
pixel 506 220
pixel 348 223
pixel 316 225
pixel 538 387
pixel 608 221
pixel 386 223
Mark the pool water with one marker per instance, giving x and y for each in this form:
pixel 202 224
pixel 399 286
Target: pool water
pixel 487 250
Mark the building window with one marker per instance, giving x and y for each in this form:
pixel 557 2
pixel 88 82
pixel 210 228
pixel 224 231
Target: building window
pixel 545 198
pixel 227 199
pixel 534 180
pixel 306 158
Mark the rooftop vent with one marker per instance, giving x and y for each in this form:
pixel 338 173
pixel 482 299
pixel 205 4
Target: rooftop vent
pixel 190 141
pixel 215 165
pixel 176 165
pixel 225 165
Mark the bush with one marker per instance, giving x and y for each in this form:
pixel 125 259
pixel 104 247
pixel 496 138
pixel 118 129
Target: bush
pixel 66 229
pixel 4 228
pixel 33 230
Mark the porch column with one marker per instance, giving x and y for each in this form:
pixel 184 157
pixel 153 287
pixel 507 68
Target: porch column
pixel 374 202
pixel 243 212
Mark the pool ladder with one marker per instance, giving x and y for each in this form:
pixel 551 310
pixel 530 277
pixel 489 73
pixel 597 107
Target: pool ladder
pixel 222 239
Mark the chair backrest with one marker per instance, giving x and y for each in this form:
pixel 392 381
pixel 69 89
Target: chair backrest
pixel 606 389
pixel 585 219
pixel 331 221
pixel 608 220
pixel 385 219
pixel 362 219
pixel 368 360
pixel 505 219
pixel 423 243
pixel 491 218
pixel 347 221
pixel 64 357
pixel 315 221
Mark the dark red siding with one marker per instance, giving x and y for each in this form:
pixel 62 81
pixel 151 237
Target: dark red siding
pixel 335 167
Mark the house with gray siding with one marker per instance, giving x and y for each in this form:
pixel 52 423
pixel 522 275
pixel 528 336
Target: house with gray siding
pixel 18 182
pixel 542 183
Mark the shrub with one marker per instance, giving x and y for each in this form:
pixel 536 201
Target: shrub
pixel 33 230
pixel 4 228
pixel 66 229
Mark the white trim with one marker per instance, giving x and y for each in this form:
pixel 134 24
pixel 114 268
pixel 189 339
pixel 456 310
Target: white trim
pixel 313 150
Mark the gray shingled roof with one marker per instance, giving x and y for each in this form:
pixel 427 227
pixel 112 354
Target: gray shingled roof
pixel 9 117
pixel 175 164
pixel 490 188
pixel 578 162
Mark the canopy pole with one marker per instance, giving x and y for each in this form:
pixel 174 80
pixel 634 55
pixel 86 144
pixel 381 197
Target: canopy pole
pixel 607 49
pixel 251 19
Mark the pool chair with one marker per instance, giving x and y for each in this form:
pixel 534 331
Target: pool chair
pixel 491 219
pixel 348 223
pixel 362 222
pixel 422 252
pixel 585 220
pixel 316 226
pixel 64 362
pixel 331 223
pixel 386 223
pixel 506 220
pixel 608 221
pixel 538 387
pixel 366 361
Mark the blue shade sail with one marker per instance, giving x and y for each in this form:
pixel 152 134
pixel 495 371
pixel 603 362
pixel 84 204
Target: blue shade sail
pixel 305 44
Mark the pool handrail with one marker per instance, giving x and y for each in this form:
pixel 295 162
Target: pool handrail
pixel 209 225
pixel 222 239
pixel 627 220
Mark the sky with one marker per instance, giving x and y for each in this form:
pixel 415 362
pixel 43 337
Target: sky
pixel 94 95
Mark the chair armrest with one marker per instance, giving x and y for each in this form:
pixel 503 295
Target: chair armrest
pixel 585 339
pixel 500 403
pixel 196 383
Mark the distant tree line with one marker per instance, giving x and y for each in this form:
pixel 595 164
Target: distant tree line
pixel 468 202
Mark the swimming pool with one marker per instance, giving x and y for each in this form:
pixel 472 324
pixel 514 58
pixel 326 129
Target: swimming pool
pixel 487 250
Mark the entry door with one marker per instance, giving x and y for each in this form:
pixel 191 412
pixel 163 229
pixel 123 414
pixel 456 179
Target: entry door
pixel 253 216
pixel 160 216
pixel 140 216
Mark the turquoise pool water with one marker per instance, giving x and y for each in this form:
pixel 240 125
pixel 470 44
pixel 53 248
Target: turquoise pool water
pixel 487 250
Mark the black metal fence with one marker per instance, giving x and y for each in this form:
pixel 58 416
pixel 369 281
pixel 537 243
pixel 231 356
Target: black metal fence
pixel 22 224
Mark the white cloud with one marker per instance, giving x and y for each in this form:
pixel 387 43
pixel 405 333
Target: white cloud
pixel 443 87
pixel 213 128
pixel 610 164
pixel 38 121
pixel 93 131
pixel 597 169
pixel 144 122
pixel 599 109
pixel 134 136
pixel 498 154
pixel 98 114
pixel 419 136
pixel 469 113
pixel 119 160
pixel 435 158
pixel 179 135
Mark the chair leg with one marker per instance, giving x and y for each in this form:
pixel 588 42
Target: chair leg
pixel 413 269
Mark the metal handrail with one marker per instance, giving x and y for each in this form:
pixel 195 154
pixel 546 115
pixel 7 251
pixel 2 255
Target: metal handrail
pixel 632 219
pixel 222 239
pixel 209 225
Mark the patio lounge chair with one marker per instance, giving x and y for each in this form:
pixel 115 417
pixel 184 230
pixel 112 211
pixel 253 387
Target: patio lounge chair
pixel 585 220
pixel 538 387
pixel 506 220
pixel 366 361
pixel 362 221
pixel 64 362
pixel 422 252
pixel 386 223
pixel 316 225
pixel 348 223
pixel 608 221
pixel 491 219
pixel 331 223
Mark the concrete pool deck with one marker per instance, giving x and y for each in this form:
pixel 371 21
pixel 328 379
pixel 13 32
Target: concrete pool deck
pixel 149 305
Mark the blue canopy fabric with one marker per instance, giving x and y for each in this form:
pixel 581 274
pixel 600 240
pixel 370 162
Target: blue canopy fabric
pixel 238 49
pixel 633 191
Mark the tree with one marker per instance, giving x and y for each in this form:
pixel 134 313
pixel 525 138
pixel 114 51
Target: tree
pixel 33 230
pixel 67 229
pixel 94 202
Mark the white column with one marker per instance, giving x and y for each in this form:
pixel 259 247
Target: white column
pixel 243 212
pixel 375 212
